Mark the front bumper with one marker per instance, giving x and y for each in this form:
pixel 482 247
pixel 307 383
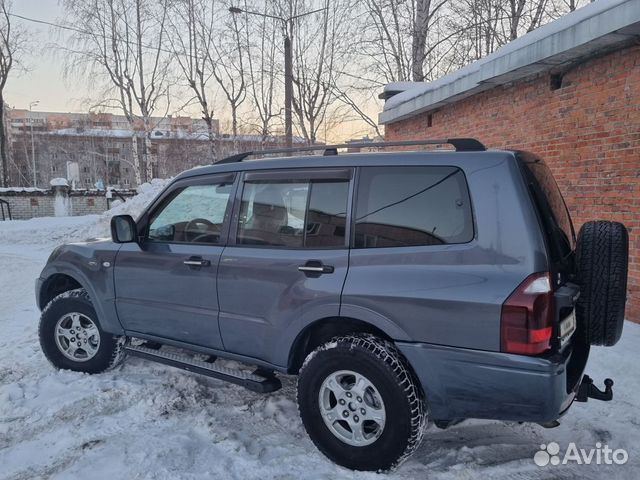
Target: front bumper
pixel 464 383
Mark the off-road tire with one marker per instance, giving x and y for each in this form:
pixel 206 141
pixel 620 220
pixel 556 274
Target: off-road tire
pixel 381 362
pixel 110 351
pixel 602 263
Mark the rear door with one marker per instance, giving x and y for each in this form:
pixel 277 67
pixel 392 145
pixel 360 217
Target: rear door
pixel 413 261
pixel 560 240
pixel 166 285
pixel 286 260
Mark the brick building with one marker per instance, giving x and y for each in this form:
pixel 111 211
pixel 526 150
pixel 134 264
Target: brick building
pixel 568 91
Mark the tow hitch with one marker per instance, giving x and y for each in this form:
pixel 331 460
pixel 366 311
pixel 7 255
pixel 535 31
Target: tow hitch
pixel 588 390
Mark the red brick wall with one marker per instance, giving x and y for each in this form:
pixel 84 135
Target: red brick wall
pixel 588 131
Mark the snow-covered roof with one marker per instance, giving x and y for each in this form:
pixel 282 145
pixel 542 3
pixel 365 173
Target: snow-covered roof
pixel 159 134
pixel 21 189
pixel 597 27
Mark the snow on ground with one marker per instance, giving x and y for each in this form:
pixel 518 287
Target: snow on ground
pixel 145 420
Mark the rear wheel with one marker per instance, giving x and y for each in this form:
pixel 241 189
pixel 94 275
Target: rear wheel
pixel 71 337
pixel 602 256
pixel 360 403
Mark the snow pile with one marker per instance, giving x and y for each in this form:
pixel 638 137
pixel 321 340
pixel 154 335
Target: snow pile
pixel 46 231
pixel 59 182
pixel 61 202
pixel 133 206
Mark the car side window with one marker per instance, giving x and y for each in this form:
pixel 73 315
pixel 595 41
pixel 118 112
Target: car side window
pixel 408 206
pixel 195 214
pixel 293 214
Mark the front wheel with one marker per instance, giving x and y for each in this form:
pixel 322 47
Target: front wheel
pixel 360 404
pixel 71 337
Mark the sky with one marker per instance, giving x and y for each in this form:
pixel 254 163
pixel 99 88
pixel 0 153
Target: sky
pixel 44 81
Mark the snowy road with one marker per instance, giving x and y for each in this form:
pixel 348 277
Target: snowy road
pixel 144 420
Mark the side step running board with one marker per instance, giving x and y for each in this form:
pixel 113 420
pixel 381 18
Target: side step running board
pixel 257 382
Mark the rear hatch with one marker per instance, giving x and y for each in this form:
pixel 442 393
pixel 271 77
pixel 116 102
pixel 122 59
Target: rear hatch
pixel 560 240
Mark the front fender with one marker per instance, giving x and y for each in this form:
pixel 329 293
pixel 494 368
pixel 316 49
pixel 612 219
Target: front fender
pixel 91 265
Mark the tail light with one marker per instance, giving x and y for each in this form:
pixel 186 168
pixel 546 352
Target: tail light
pixel 526 323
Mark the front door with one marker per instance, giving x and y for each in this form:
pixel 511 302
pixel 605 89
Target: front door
pixel 166 285
pixel 286 261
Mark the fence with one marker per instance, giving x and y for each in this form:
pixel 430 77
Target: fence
pixel 25 203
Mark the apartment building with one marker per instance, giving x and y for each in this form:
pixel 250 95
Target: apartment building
pixel 95 150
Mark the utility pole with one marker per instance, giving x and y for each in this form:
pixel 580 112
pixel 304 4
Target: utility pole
pixel 33 145
pixel 288 91
pixel 288 65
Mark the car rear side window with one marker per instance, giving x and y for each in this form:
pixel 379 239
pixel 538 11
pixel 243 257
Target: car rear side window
pixel 293 214
pixel 408 206
pixel 550 204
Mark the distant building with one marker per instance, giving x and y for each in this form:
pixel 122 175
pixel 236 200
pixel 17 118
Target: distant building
pixel 94 150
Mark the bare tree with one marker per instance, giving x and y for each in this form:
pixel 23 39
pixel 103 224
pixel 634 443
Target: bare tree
pixel 425 11
pixel 571 4
pixel 421 40
pixel 318 46
pixel 262 70
pixel 357 102
pixel 227 61
pixel 527 14
pixel 12 45
pixel 191 35
pixel 121 42
pixel 399 38
pixel 398 41
pixel 480 23
pixel 493 23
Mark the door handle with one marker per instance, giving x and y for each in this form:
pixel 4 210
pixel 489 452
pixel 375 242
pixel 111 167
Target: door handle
pixel 315 267
pixel 197 262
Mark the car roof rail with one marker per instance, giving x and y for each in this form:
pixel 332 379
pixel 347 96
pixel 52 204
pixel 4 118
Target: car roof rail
pixel 460 144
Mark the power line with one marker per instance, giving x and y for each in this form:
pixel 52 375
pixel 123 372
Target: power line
pixel 44 22
pixel 85 32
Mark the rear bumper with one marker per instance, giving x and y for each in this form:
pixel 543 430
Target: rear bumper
pixel 465 383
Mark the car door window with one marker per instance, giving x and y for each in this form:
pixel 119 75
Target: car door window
pixel 327 214
pixel 195 214
pixel 308 214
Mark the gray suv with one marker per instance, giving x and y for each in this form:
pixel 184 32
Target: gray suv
pixel 403 288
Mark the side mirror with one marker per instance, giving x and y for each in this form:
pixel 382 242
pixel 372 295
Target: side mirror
pixel 123 229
